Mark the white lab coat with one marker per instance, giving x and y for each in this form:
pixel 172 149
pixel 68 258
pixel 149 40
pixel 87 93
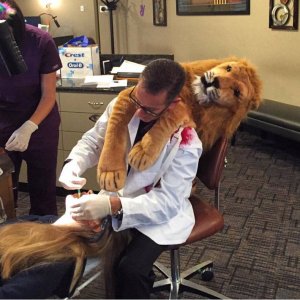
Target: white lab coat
pixel 164 214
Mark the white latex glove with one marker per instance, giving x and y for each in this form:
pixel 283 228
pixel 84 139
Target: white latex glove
pixel 69 178
pixel 89 207
pixel 19 140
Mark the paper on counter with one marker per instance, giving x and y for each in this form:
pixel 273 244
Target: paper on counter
pixel 98 79
pixel 129 67
pixel 114 70
pixel 113 83
pixel 104 81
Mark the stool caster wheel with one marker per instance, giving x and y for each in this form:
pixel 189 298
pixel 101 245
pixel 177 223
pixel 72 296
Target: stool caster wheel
pixel 207 274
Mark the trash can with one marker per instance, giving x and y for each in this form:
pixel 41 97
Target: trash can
pixel 7 205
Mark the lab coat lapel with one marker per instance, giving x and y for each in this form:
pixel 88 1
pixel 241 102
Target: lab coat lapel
pixel 132 129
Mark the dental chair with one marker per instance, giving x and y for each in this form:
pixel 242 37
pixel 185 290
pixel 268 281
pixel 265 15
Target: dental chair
pixel 208 221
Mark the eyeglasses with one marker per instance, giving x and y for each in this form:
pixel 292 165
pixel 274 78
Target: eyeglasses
pixel 143 108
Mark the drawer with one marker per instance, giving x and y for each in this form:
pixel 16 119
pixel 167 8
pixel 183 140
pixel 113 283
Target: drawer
pixel 89 103
pixel 78 122
pixel 70 139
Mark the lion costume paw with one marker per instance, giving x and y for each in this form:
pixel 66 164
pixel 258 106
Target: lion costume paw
pixel 138 158
pixel 141 158
pixel 111 174
pixel 112 180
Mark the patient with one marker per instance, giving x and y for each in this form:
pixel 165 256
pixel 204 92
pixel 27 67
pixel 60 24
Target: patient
pixel 43 260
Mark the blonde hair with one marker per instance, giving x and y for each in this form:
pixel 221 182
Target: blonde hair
pixel 26 244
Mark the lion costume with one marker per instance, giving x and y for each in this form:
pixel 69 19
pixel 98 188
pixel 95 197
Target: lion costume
pixel 215 98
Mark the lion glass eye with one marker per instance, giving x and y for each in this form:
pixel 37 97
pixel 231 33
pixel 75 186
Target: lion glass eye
pixel 237 93
pixel 228 68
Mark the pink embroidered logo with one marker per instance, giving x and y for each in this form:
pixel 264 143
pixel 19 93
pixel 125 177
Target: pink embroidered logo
pixel 187 135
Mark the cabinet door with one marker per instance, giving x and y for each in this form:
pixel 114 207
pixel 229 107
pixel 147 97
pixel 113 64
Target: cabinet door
pixel 77 122
pixel 91 177
pixel 70 139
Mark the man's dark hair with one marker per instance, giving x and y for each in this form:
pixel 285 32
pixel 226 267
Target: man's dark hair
pixel 16 21
pixel 163 74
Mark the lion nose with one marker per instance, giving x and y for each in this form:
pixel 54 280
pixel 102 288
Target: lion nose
pixel 211 82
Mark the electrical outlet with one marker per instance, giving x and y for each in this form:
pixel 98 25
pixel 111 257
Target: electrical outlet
pixel 103 9
pixel 82 8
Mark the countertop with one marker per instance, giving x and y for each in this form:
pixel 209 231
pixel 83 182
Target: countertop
pixel 76 85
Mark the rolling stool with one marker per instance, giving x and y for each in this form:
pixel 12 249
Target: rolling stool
pixel 208 221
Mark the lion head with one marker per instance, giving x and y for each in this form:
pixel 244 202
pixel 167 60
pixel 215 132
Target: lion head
pixel 229 84
pixel 223 95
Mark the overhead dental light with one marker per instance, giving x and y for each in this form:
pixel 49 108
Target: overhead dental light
pixel 53 18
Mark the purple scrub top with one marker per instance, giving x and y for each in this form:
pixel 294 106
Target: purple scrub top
pixel 21 94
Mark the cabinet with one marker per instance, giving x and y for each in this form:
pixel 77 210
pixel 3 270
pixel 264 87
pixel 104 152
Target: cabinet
pixel 79 112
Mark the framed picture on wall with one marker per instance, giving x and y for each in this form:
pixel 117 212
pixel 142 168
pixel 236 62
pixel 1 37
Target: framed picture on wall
pixel 159 13
pixel 283 14
pixel 212 7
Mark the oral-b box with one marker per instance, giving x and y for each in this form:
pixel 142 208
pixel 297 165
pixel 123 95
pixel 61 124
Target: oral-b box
pixel 79 62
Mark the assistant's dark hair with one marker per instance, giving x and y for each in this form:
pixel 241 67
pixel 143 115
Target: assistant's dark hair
pixel 163 74
pixel 16 21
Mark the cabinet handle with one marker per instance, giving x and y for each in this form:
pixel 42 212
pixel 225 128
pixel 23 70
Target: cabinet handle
pixel 94 118
pixel 95 104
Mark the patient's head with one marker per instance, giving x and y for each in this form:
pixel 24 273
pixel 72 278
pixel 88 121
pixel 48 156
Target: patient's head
pixel 67 220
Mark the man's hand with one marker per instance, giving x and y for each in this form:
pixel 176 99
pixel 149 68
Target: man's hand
pixel 69 178
pixel 89 207
pixel 19 139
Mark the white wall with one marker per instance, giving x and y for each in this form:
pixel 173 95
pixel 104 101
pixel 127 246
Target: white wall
pixel 274 52
pixel 69 16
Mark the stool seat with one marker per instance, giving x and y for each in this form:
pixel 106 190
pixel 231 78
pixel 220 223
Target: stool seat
pixel 208 221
